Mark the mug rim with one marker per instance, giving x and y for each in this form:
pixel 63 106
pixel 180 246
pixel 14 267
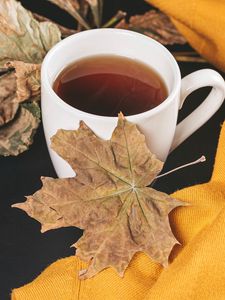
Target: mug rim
pixel 71 109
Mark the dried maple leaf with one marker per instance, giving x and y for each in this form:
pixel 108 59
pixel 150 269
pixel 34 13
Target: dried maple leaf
pixel 8 104
pixel 28 79
pixel 156 25
pixel 16 136
pixel 108 198
pixel 22 37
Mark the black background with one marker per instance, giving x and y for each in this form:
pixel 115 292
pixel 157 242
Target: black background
pixel 24 251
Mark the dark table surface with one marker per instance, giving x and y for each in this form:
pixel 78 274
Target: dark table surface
pixel 24 251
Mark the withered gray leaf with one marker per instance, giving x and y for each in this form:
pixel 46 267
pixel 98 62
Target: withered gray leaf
pixel 64 30
pixel 8 103
pixel 108 198
pixel 22 37
pixel 17 136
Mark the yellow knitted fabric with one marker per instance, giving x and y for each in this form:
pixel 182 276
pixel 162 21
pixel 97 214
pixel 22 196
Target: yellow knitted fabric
pixel 202 22
pixel 197 270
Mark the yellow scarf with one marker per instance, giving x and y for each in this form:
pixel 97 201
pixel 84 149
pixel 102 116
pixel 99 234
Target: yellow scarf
pixel 202 22
pixel 197 270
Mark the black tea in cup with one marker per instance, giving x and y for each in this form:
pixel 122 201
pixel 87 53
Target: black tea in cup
pixel 107 84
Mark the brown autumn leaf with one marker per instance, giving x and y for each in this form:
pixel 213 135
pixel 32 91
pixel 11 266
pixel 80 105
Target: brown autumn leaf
pixel 28 80
pixel 18 122
pixel 20 82
pixel 156 25
pixel 108 198
pixel 17 136
pixel 8 104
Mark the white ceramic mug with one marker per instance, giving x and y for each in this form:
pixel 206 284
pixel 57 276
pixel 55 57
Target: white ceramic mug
pixel 159 124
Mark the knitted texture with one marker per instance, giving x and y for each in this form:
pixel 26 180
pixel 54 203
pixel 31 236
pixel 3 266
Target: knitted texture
pixel 202 22
pixel 196 271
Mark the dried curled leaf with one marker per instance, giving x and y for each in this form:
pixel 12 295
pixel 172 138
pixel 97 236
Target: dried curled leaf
pixel 8 104
pixel 156 25
pixel 24 43
pixel 72 7
pixel 108 198
pixel 28 79
pixel 22 37
pixel 16 136
pixel 96 8
pixel 64 30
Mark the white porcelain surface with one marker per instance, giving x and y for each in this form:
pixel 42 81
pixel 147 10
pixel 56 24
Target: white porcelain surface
pixel 158 124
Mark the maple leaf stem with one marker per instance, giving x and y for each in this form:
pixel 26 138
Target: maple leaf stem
pixel 200 160
pixel 184 58
pixel 120 15
pixel 188 56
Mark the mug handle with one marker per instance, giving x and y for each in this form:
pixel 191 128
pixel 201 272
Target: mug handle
pixel 206 110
